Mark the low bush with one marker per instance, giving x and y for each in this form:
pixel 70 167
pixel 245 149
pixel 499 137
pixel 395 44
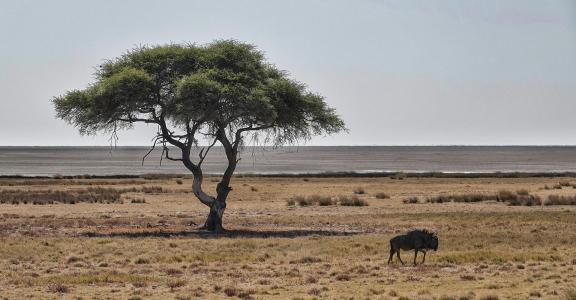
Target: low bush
pixel 560 200
pixel 411 200
pixel 351 201
pixel 382 196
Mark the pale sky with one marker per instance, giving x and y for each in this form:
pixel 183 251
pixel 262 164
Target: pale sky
pixel 404 72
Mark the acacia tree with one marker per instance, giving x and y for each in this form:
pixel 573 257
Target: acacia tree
pixel 222 92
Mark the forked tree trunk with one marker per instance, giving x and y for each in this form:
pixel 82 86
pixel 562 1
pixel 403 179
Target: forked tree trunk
pixel 217 204
pixel 214 220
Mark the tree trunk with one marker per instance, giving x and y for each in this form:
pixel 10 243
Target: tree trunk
pixel 214 220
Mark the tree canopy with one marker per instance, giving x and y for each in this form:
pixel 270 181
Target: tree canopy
pixel 224 84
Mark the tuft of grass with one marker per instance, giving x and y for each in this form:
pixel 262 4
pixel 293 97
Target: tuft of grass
pixel 142 261
pixel 311 200
pixel 173 284
pixel 314 292
pixel 535 294
pixel 351 201
pixel 58 288
pixel 231 291
pixel 306 260
pixel 560 200
pixel 138 200
pixel 382 196
pixel 411 200
pixel 343 277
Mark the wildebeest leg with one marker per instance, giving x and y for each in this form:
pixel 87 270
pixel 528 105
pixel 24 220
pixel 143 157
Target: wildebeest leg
pixel 391 255
pixel 398 255
pixel 415 255
pixel 424 258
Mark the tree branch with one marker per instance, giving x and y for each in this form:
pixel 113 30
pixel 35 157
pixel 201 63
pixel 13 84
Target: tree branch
pixel 203 154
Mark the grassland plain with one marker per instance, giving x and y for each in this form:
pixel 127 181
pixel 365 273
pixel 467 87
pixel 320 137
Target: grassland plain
pixel 144 245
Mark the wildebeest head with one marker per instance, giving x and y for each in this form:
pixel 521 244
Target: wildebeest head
pixel 433 242
pixel 430 239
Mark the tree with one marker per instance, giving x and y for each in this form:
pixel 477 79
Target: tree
pixel 222 92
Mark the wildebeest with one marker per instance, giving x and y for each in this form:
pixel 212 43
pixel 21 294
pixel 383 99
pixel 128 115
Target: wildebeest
pixel 418 240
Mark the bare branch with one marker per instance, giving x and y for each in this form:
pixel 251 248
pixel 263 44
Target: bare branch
pixel 203 154
pixel 155 142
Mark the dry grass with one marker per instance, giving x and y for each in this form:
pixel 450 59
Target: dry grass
pixel 560 200
pixel 488 249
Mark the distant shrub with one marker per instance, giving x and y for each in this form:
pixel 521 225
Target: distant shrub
pixel 179 181
pixel 72 196
pixel 411 200
pixel 505 196
pixel 529 200
pixel 325 201
pixel 311 200
pixel 142 261
pixel 467 198
pixel 175 283
pixel 152 189
pixel 343 277
pixel 560 200
pixel 564 183
pixel 399 176
pixel 253 189
pixel 231 291
pixel 359 191
pixel 522 192
pixel 351 201
pixel 382 196
pixel 306 260
pixel 138 200
pixel 58 288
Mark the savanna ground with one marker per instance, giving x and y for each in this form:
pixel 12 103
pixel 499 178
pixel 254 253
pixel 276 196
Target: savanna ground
pixel 135 250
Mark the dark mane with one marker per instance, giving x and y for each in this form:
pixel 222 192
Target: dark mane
pixel 423 232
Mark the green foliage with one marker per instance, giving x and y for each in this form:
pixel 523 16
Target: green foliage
pixel 223 85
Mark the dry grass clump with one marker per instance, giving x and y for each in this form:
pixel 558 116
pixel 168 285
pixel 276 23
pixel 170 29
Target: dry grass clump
pixel 519 198
pixel 466 198
pixel 351 201
pixel 73 196
pixel 411 200
pixel 382 196
pixel 137 200
pixel 560 200
pixel 311 200
pixel 175 283
pixel 325 201
pixel 58 288
pixel 40 197
pixel 359 191
pixel 306 260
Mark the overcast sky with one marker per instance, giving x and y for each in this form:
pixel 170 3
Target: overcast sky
pixel 402 72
